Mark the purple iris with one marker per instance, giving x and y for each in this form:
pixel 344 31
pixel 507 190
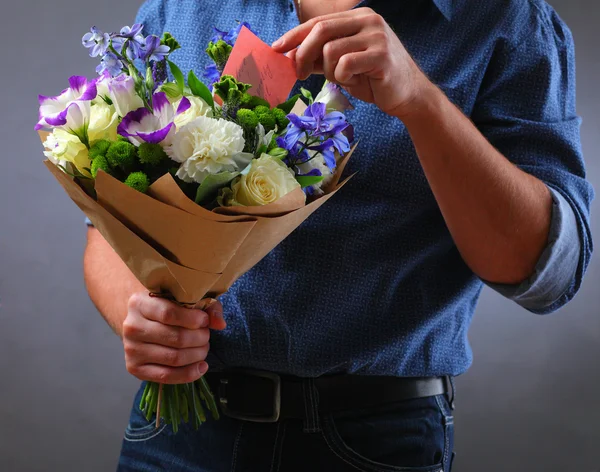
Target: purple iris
pixel 110 64
pixel 212 74
pixel 156 127
pixel 96 41
pixel 135 40
pixel 152 49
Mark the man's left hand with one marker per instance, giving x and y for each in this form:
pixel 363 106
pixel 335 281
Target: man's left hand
pixel 359 51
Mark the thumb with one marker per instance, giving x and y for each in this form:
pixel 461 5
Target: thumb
pixel 215 313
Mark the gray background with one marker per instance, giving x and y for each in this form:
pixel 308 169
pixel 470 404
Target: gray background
pixel 529 403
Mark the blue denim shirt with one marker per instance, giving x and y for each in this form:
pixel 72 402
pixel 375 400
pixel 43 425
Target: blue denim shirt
pixel 373 282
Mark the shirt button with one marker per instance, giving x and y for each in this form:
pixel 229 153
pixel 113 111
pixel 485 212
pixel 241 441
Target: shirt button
pixel 291 7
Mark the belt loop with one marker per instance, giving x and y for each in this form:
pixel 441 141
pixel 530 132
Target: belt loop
pixel 311 406
pixel 449 380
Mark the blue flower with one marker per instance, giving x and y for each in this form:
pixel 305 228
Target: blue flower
pixel 96 41
pixel 152 49
pixel 316 131
pixel 230 36
pixel 219 35
pixel 111 64
pixel 316 122
pixel 212 74
pixel 134 32
pixel 135 41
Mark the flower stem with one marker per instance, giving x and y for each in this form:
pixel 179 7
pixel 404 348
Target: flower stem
pixel 159 401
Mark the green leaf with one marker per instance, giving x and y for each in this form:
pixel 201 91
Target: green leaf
pixel 199 89
pixel 308 180
pixel 212 184
pixel 287 106
pixel 179 79
pixel 308 95
pixel 261 149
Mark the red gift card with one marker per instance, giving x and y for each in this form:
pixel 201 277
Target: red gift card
pixel 271 74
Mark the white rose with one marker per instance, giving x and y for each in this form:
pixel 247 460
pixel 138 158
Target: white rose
pixel 208 146
pixel 103 123
pixel 65 147
pixel 267 180
pixel 198 107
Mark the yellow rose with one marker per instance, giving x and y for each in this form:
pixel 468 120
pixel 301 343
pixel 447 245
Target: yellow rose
pixel 198 107
pixel 268 180
pixel 103 123
pixel 65 147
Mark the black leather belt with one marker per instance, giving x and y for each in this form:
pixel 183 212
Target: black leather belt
pixel 267 397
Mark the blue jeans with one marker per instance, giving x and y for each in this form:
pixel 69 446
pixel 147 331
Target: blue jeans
pixel 409 436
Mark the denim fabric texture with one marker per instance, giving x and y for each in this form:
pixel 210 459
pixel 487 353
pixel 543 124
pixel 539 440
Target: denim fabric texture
pixel 410 436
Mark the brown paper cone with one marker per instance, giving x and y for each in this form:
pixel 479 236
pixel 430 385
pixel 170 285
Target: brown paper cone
pixel 169 225
pixel 155 272
pixel 183 238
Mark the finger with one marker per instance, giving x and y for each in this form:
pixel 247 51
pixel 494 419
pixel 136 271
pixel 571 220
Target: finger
pixel 215 313
pixel 143 353
pixel 311 48
pixel 334 50
pixel 355 63
pixel 152 332
pixel 169 375
pixel 295 36
pixel 169 313
pixel 292 54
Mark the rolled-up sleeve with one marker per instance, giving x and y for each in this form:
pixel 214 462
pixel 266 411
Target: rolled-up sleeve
pixel 526 109
pixel 557 266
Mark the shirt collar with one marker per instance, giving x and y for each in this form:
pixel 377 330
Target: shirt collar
pixel 445 6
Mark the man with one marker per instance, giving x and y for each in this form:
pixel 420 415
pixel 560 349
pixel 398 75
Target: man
pixel 469 170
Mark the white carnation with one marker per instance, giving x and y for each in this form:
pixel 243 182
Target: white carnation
pixel 208 146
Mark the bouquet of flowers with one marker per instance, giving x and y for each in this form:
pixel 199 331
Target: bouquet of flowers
pixel 189 192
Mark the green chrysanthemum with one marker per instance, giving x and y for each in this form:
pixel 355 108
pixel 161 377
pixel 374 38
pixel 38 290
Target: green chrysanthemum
pixel 151 154
pixel 99 148
pixel 122 155
pixel 247 119
pixel 138 181
pixel 100 162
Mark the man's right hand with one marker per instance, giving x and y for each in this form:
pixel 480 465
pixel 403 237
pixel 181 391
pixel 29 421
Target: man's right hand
pixel 166 343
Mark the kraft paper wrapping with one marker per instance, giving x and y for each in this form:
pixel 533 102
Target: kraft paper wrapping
pixel 153 270
pixel 165 238
pixel 196 243
pixel 269 231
